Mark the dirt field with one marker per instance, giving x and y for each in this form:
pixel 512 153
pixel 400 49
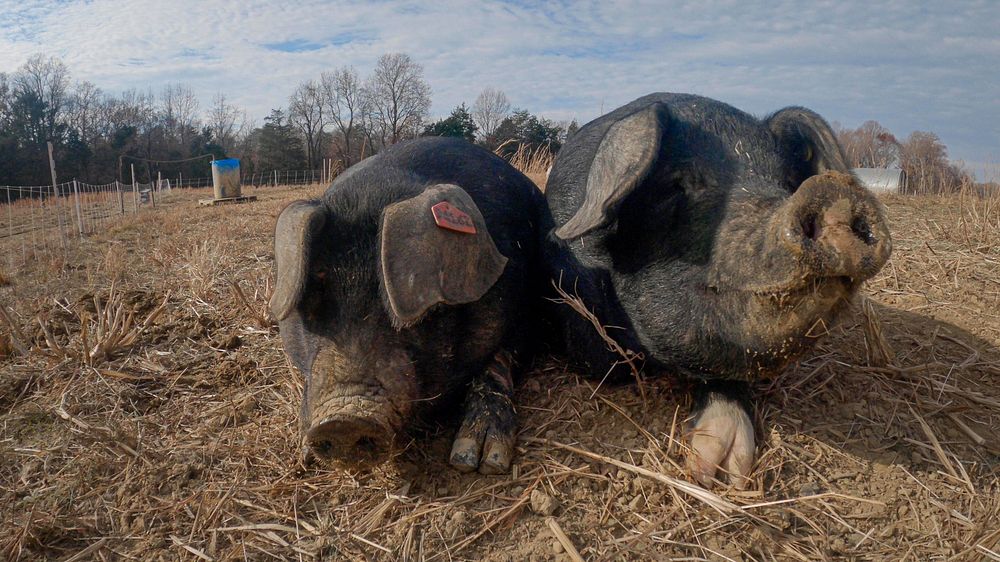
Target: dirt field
pixel 174 435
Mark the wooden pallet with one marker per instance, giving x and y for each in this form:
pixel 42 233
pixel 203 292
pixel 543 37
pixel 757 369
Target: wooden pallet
pixel 228 200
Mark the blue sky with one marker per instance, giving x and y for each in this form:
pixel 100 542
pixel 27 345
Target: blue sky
pixel 911 66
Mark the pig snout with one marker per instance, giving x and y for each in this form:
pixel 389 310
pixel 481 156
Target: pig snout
pixel 350 439
pixel 836 227
pixel 355 405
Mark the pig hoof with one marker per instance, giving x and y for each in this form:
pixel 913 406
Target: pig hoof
pixel 722 440
pixel 486 439
pixel 483 446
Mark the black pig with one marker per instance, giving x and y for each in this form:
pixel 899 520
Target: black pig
pixel 398 293
pixel 712 243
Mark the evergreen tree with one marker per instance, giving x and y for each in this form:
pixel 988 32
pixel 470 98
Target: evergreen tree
pixel 280 146
pixel 458 124
pixel 522 129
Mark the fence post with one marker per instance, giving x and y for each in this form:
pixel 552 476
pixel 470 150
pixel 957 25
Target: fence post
pixel 55 191
pixel 10 214
pixel 135 192
pixel 79 216
pixel 276 178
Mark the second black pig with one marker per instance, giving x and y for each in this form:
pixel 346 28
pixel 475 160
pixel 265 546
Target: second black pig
pixel 399 292
pixel 711 242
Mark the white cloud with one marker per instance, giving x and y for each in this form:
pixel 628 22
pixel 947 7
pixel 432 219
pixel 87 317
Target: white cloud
pixel 927 67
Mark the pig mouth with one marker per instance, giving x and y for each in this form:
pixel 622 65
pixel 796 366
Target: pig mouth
pixel 807 287
pixel 350 441
pixel 819 293
pixel 353 431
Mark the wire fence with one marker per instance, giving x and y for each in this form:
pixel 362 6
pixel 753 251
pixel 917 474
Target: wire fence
pixel 36 221
pixel 262 179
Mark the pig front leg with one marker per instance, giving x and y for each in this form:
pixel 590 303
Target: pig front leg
pixel 722 433
pixel 486 439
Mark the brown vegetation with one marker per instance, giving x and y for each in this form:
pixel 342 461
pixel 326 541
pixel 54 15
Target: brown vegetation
pixel 181 440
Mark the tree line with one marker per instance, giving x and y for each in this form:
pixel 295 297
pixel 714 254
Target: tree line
pixel 339 114
pixel 922 157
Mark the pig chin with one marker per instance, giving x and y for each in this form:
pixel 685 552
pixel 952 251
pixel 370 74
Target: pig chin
pixel 780 325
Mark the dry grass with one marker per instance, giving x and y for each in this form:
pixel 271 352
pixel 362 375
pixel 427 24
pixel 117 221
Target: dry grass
pixel 533 163
pixel 882 444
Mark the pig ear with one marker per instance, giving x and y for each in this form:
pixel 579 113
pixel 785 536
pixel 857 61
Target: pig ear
pixel 436 249
pixel 297 225
pixel 808 142
pixel 624 158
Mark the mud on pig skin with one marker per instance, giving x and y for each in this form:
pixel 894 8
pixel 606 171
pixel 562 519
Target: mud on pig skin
pixel 717 244
pixel 402 293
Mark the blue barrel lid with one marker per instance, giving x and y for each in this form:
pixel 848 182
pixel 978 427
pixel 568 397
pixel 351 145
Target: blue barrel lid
pixel 227 164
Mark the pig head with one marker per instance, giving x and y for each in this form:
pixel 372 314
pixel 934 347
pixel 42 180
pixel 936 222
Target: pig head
pixel 365 302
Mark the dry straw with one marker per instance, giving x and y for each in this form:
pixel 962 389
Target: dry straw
pixel 161 422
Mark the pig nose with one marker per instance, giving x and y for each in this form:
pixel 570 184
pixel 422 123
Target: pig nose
pixel 351 440
pixel 812 227
pixel 837 227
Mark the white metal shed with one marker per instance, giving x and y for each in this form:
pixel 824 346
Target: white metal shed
pixel 881 180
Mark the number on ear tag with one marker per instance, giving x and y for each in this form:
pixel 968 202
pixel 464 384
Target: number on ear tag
pixel 449 217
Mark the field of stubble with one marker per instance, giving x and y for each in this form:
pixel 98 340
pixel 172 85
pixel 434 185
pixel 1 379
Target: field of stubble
pixel 154 416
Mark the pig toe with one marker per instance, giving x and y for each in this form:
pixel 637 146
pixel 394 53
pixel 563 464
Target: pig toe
pixel 722 443
pixel 465 453
pixel 497 453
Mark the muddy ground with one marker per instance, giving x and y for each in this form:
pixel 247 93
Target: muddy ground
pixel 174 435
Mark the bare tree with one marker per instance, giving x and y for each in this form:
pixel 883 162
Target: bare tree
pixel 132 109
pixel 5 101
pixel 346 105
pixel 226 121
pixel 869 146
pixel 305 111
pixel 48 79
pixel 489 110
pixel 179 107
pixel 83 111
pixel 400 97
pixel 924 159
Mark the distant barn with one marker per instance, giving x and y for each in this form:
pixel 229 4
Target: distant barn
pixel 881 180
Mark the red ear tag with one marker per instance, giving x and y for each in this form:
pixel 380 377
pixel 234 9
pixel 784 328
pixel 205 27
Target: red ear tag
pixel 449 217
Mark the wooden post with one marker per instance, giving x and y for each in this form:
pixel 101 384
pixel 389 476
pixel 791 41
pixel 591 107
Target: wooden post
pixel 180 179
pixel 121 198
pixel 276 178
pixel 55 191
pixel 135 192
pixel 159 181
pixel 79 216
pixel 10 214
